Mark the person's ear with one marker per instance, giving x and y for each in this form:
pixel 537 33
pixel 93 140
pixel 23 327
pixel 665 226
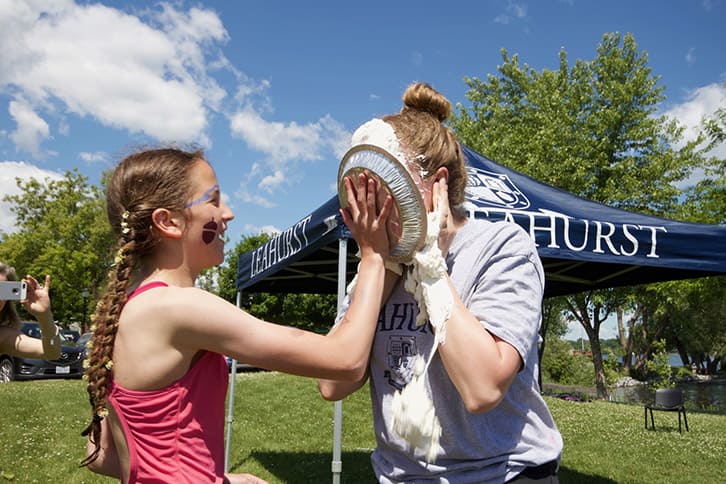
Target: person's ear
pixel 167 223
pixel 442 172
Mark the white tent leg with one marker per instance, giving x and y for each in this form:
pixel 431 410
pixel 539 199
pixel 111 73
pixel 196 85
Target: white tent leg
pixel 230 405
pixel 337 464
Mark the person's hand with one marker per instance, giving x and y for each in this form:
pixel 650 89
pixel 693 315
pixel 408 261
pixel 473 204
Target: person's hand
pixel 365 217
pixel 447 229
pixel 37 300
pixel 243 479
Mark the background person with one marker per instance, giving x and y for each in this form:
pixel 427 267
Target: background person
pixel 37 302
pixel 483 378
pixel 157 379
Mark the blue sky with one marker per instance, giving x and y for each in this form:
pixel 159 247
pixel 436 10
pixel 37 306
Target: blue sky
pixel 272 90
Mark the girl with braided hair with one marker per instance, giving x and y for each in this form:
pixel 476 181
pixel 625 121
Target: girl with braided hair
pixel 486 422
pixel 157 379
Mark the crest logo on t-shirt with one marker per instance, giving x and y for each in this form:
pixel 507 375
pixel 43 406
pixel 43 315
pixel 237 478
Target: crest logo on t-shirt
pixel 493 189
pixel 401 351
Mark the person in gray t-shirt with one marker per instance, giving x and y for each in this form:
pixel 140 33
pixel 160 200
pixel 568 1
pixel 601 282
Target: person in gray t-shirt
pixel 483 379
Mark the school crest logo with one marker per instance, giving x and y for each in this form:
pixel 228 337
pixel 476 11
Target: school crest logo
pixel 486 188
pixel 401 351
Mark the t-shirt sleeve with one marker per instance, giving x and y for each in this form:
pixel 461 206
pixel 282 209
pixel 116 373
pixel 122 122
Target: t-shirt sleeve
pixel 507 297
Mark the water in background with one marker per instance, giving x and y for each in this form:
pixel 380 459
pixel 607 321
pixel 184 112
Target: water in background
pixel 704 396
pixel 674 359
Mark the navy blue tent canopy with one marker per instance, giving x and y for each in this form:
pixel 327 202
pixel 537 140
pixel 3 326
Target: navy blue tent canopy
pixel 583 244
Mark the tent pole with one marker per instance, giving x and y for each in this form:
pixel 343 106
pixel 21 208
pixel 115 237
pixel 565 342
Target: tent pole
pixel 230 403
pixel 337 464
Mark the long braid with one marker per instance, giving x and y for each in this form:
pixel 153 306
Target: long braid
pixel 100 362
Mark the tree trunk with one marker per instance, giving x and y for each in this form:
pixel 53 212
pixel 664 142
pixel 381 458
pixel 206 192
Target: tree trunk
pixel 683 353
pixel 621 328
pixel 600 384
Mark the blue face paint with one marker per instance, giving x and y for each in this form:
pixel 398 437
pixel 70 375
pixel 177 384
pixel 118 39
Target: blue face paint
pixel 205 196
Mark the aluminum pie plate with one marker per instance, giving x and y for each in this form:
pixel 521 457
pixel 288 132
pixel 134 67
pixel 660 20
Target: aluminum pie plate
pixel 407 223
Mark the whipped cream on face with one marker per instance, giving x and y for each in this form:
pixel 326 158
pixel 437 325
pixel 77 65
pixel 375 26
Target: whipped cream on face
pixel 378 133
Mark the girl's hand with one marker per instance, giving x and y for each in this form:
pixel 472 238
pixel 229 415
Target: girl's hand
pixel 365 217
pixel 447 230
pixel 37 300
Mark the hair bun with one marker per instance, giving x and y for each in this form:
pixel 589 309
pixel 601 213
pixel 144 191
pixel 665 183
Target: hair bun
pixel 422 97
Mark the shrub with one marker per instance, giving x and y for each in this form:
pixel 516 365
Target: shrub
pixel 660 367
pixel 559 365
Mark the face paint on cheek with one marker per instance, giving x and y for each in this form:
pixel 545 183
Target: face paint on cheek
pixel 209 232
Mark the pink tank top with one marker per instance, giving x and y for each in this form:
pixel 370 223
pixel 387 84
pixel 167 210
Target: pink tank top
pixel 176 434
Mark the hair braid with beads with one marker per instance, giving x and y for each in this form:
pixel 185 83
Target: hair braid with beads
pixel 140 184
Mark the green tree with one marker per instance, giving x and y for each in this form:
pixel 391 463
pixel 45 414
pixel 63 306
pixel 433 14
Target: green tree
pixel 314 312
pixel 560 365
pixel 659 366
pixel 689 314
pixel 591 129
pixel 63 231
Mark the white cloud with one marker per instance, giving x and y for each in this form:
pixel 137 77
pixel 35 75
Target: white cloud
pixel 691 56
pixel 31 129
pixel 699 103
pixel 98 156
pixel 9 171
pixel 270 182
pixel 518 10
pixel 246 195
pixel 267 229
pixel 502 19
pixel 152 71
pixel 281 142
pixel 284 145
pixel 140 74
pixel 513 10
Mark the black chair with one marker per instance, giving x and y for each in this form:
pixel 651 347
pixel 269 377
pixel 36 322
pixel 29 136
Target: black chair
pixel 667 400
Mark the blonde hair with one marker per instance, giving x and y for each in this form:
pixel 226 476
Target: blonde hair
pixel 420 131
pixel 9 315
pixel 141 183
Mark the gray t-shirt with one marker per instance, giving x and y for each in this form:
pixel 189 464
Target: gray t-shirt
pixel 498 275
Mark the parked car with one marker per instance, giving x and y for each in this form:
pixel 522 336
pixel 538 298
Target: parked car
pixel 70 334
pixel 69 365
pixel 83 340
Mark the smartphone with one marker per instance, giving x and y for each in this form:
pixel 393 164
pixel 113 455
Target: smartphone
pixel 13 290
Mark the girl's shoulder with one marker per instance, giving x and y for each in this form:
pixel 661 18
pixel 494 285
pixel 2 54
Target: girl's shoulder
pixel 176 306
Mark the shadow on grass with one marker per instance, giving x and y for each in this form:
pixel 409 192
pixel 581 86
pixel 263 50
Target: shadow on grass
pixel 313 467
pixel 570 476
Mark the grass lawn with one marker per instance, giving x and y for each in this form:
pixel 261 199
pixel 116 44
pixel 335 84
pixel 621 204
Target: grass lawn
pixel 283 433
